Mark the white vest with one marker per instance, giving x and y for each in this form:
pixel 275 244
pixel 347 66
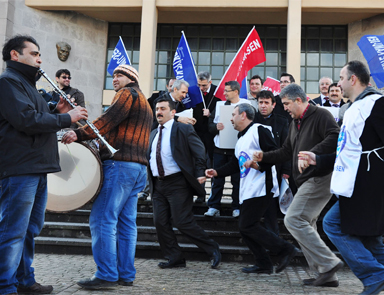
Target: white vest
pixel 252 181
pixel 349 148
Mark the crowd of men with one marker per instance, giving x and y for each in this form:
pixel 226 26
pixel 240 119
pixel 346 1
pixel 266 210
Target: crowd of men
pixel 168 155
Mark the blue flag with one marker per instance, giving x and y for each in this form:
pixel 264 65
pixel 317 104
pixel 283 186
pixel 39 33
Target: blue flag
pixel 372 47
pixel 243 89
pixel 184 69
pixel 119 57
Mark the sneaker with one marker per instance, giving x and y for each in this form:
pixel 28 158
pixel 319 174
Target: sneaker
pixel 36 288
pixel 235 213
pixel 212 212
pixel 95 283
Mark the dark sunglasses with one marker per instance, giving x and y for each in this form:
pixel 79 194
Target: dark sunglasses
pixel 66 77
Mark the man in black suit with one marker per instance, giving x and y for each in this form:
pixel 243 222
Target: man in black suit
pixel 285 80
pixel 279 124
pixel 177 163
pixel 324 83
pixel 177 94
pixel 335 96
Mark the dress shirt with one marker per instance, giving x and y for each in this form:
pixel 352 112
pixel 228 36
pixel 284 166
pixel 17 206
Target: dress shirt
pixel 169 164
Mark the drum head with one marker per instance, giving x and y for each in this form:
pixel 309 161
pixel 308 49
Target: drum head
pixel 79 181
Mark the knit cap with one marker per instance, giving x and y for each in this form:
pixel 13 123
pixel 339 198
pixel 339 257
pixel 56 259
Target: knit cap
pixel 128 71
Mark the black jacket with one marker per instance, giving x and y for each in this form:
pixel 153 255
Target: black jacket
pixel 28 142
pixel 188 152
pixel 280 128
pixel 201 125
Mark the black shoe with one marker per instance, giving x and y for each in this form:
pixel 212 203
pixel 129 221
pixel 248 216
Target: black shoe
pixel 171 264
pixel 216 258
pixel 286 259
pixel 95 284
pixel 309 282
pixel 256 269
pixel 200 200
pixel 36 288
pixel 124 283
pixel 325 276
pixel 373 289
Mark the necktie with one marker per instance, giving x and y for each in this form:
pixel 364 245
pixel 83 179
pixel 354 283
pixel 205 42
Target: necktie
pixel 205 93
pixel 159 162
pixel 335 105
pixel 326 98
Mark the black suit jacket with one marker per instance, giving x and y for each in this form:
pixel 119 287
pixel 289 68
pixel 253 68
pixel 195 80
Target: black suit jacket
pixel 318 100
pixel 188 152
pixel 279 109
pixel 201 125
pixel 327 104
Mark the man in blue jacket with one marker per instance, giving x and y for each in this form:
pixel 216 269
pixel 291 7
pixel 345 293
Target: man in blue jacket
pixel 28 149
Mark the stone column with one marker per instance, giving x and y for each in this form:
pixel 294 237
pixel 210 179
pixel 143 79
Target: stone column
pixel 294 38
pixel 7 12
pixel 148 46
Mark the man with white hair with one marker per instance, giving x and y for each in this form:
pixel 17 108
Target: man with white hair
pixel 324 84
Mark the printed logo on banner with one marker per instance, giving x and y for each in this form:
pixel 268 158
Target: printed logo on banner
pixel 242 159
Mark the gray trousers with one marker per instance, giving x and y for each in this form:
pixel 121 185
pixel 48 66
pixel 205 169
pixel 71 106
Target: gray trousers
pixel 300 220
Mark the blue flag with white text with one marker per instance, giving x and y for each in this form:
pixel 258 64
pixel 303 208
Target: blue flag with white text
pixel 372 47
pixel 119 57
pixel 184 69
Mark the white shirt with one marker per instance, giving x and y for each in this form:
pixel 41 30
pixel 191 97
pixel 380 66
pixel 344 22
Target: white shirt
pixel 323 100
pixel 169 164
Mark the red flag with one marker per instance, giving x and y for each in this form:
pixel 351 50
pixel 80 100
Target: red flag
pixel 273 85
pixel 250 54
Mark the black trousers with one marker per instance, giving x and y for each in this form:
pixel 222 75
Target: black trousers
pixel 257 237
pixel 172 205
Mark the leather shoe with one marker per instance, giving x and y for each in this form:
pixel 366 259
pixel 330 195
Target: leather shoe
pixel 325 276
pixel 373 289
pixel 95 283
pixel 216 258
pixel 36 288
pixel 256 269
pixel 124 283
pixel 171 264
pixel 309 282
pixel 286 259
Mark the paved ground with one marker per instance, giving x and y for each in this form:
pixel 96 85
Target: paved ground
pixel 62 271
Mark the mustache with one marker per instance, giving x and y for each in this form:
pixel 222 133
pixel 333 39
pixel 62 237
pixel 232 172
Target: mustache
pixel 159 116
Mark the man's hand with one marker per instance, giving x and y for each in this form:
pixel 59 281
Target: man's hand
pixel 210 173
pixel 251 164
pixel 69 137
pixel 201 179
pixel 306 159
pixel 257 156
pixel 187 120
pixel 206 113
pixel 78 113
pixel 220 126
pixel 63 106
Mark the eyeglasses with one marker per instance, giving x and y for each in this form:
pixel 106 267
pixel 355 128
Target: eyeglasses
pixel 226 91
pixel 285 82
pixel 66 77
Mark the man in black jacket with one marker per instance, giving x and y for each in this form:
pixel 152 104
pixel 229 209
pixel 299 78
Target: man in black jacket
pixel 177 164
pixel 279 124
pixel 28 149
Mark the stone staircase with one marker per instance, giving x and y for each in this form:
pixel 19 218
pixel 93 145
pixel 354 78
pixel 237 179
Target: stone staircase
pixel 69 233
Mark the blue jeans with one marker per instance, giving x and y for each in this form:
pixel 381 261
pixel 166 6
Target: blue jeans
pixel 363 254
pixel 113 220
pixel 22 207
pixel 214 200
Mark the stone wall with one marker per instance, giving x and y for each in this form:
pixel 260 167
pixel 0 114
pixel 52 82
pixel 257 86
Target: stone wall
pixel 87 37
pixel 373 25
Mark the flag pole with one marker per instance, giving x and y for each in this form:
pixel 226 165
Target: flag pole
pixel 129 62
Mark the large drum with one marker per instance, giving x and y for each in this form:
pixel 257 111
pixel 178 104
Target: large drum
pixel 79 181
